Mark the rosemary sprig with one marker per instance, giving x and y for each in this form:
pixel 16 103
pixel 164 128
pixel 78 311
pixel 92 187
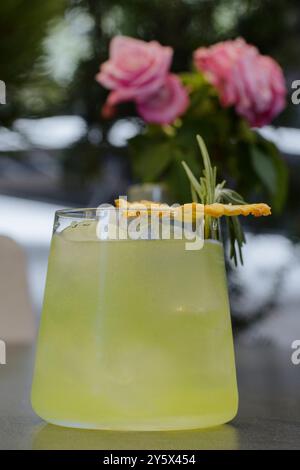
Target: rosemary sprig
pixel 207 191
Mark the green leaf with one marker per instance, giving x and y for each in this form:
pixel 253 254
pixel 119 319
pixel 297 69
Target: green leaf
pixel 209 192
pixel 194 183
pixel 149 158
pixel 193 79
pixel 272 171
pixel 229 196
pixel 209 171
pixel 264 167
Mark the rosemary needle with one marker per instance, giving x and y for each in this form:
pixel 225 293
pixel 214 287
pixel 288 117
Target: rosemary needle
pixel 207 191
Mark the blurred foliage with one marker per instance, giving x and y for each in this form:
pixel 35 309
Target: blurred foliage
pixel 50 52
pixel 249 163
pixel 23 25
pixel 272 25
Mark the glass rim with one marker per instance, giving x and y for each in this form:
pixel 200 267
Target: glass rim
pixel 82 212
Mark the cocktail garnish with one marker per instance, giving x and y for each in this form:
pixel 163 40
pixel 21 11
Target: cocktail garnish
pixel 215 210
pixel 210 198
pixel 219 200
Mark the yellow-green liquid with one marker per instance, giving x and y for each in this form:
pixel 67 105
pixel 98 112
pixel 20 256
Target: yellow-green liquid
pixel 134 335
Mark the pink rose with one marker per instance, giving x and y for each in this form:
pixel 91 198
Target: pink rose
pixel 135 69
pixel 251 82
pixel 164 106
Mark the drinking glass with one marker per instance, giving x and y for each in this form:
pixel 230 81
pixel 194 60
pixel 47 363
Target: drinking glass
pixel 134 334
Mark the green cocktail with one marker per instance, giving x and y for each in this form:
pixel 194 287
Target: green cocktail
pixel 134 334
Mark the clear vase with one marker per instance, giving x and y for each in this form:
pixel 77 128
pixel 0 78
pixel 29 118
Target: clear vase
pixel 156 192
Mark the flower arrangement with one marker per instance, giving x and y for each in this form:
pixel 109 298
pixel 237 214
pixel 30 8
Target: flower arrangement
pixel 231 92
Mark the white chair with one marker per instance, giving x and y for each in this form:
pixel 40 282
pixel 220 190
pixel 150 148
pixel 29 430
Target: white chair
pixel 17 325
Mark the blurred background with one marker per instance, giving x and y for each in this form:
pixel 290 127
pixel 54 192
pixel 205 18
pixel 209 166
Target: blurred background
pixel 56 150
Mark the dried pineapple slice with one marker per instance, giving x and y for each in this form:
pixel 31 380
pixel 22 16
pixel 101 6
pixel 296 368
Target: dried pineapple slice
pixel 217 210
pixel 192 209
pixel 138 207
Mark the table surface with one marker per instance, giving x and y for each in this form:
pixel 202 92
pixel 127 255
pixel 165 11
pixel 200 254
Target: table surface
pixel 268 417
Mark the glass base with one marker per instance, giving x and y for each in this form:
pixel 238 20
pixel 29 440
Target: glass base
pixel 176 424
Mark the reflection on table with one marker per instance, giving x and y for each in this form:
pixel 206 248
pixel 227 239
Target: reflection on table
pixel 54 437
